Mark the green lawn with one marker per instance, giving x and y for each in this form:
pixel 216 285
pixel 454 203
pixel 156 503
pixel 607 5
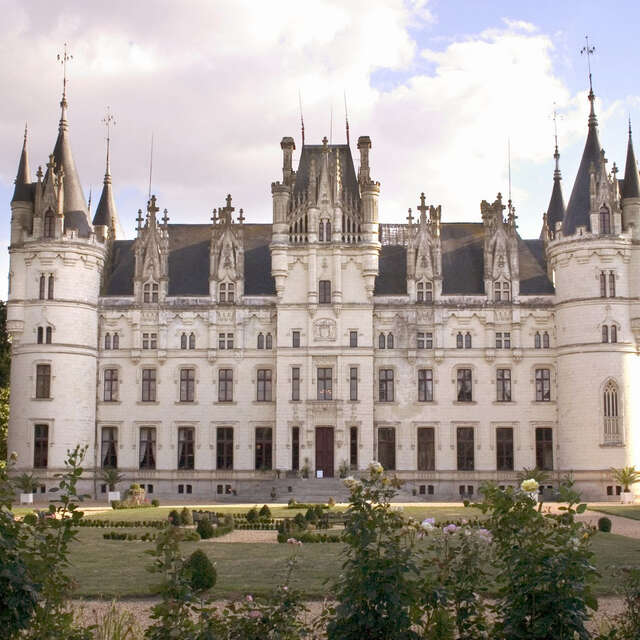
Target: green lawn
pixel 631 511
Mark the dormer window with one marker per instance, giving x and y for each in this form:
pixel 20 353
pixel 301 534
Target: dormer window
pixel 49 229
pixel 227 292
pixel 150 292
pixel 605 221
pixel 502 291
pixel 425 291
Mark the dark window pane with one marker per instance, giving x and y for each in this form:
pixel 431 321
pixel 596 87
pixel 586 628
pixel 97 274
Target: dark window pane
pixel 543 385
pixel 353 383
pixel 503 385
pixel 295 448
pixel 295 383
pixel 110 385
pixel 224 448
pixel 109 447
pixel 464 385
pixel 387 447
pixel 324 292
pixel 295 339
pixel 465 448
pixel 148 385
pixel 504 448
pixel 353 338
pixel 147 453
pixel 385 382
pixel 426 449
pixel 544 448
pixel 43 381
pixel 186 455
pixel 225 385
pixel 187 385
pixel 325 383
pixel 425 385
pixel 264 448
pixel 41 446
pixel 264 385
pixel 353 447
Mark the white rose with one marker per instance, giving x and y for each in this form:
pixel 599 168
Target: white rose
pixel 529 485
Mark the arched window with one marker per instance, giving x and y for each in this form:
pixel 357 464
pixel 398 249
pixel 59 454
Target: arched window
pixel 537 340
pixel 605 221
pixel 502 291
pixel 40 335
pixel 467 340
pixel 49 224
pixel 49 335
pixel 459 340
pixel 327 231
pixel 116 341
pixel 611 418
pixel 545 340
pixel 603 284
pixel 107 341
pixel 43 284
pixel 222 297
pixel 420 292
pixel 614 333
pixel 260 341
pixel 192 341
pixel 321 232
pixel 612 284
pixel 183 341
pixel 381 341
pixel 605 333
pixel 50 288
pixel 269 341
pixel 390 341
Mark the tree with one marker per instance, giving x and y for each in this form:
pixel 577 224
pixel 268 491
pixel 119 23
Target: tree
pixel 5 347
pixel 4 424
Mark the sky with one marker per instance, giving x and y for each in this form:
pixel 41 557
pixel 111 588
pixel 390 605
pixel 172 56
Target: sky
pixel 442 87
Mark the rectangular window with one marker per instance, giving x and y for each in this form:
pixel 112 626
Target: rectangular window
pixel 603 284
pixel 464 385
pixel 264 385
pixel 295 448
pixel 185 448
pixel 148 385
pixel 295 383
pixel 325 383
pixel 544 448
pixel 425 385
pixel 387 447
pixel 230 339
pixel 612 284
pixel 41 446
pixel 503 385
pixel 353 383
pixel 225 385
pixel 465 448
pixel 420 340
pixel 425 340
pixel 109 447
pixel 149 340
pixel 503 340
pixel 110 385
pixel 295 339
pixel 147 453
pixel 43 381
pixel 187 385
pixel 504 448
pixel 324 292
pixel 385 385
pixel 221 341
pixel 264 448
pixel 353 447
pixel 353 339
pixel 426 449
pixel 543 385
pixel 224 448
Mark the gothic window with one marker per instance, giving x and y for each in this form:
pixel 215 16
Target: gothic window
pixel 353 339
pixel 467 340
pixel 425 385
pixel 543 385
pixel 613 333
pixel 605 333
pixel 324 231
pixel 49 334
pixel 603 284
pixel 605 221
pixel 264 448
pixel 107 341
pixel 43 284
pixel 611 423
pixel 325 383
pixel 186 455
pixel 381 341
pixel 385 385
pixel 147 453
pixel 183 341
pixel 295 339
pixel 390 341
pixel 148 385
pixel 40 446
pixel 49 224
pixel 537 340
pixel 187 385
pixel 321 232
pixel 43 381
pixel 465 446
pixel 192 341
pixel 50 288
pixel 504 449
pixel 110 385
pixel 612 284
pixel 324 294
pixel 116 341
pixel 109 447
pixel 353 383
pixel 224 448
pixel 295 383
pixel 269 341
pixel 40 335
pixel 149 340
pixel 503 385
pixel 544 448
pixel 502 290
pixel 459 341
pixel 260 344
pixel 545 340
pixel 264 385
pixel 225 385
pixel 464 390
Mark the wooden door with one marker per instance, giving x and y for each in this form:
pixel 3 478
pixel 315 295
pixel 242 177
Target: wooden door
pixel 387 447
pixel 324 451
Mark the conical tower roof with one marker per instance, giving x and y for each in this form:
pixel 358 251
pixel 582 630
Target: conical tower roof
pixel 631 183
pixel 22 192
pixel 106 213
pixel 75 210
pixel 556 209
pixel 577 213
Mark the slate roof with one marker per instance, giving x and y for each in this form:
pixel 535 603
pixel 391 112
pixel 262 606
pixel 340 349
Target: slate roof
pixel 631 184
pixel 23 192
pixel 556 208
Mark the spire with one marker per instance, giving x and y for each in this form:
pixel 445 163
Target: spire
pixel 631 183
pixel 556 209
pixel 23 177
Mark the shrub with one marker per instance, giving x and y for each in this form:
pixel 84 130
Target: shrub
pixel 115 504
pixel 155 502
pixel 265 512
pixel 604 525
pixel 252 515
pixel 174 517
pixel 186 517
pixel 300 521
pixel 205 529
pixel 331 502
pixel 201 572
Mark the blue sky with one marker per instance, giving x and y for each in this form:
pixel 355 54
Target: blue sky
pixel 440 86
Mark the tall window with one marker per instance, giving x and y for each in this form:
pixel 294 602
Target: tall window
pixel 543 385
pixel 40 335
pixel 324 292
pixel 503 340
pixel 387 447
pixel 325 383
pixel 227 292
pixel 611 424
pixel 49 334
pixel 426 449
pixel 459 341
pixel 503 385
pixel 43 284
pixel 613 333
pixel 603 284
pixel 109 447
pixel 148 385
pixel 385 385
pixel 324 231
pixel 464 436
pixel 147 453
pixel 150 292
pixel 269 341
pixel 353 447
pixel 260 344
pixel 110 385
pixel 295 383
pixel 149 340
pixel 544 448
pixel 49 224
pixel 192 341
pixel 224 448
pixel 264 385
pixel 605 333
pixel 187 385
pixel 295 339
pixel 264 448
pixel 464 385
pixel 612 284
pixel 50 284
pixel 467 340
pixel 504 448
pixel 43 381
pixel 502 290
pixel 353 383
pixel 382 343
pixel 425 385
pixel 107 341
pixel 225 385
pixel 186 455
pixel 425 292
pixel 40 446
pixel 183 341
pixel 230 292
pixel 545 340
pixel 390 341
pixel 537 340
pixel 295 448
pixel 353 339
pixel 605 221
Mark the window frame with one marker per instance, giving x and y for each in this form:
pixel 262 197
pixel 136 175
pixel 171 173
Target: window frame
pixel 264 385
pixel 295 339
pixel 504 449
pixel 464 384
pixel 295 384
pixel 148 458
pixel 109 448
pixel 386 385
pixel 465 448
pixel 41 445
pixel 149 380
pixel 43 381
pixel 324 383
pixel 187 385
pixel 353 384
pixel 110 379
pixel 186 453
pixel 324 292
pixel 425 385
pixel 225 385
pixel 503 385
pixel 224 448
pixel 542 375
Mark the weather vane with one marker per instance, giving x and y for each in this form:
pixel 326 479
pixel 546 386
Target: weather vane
pixel 588 51
pixel 63 58
pixel 108 121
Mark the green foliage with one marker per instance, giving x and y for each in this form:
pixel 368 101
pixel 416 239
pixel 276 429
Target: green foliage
pixel 174 518
pixel 186 517
pixel 627 477
pixel 533 473
pixel 26 482
pixel 343 469
pixel 265 512
pixel 629 620
pixel 4 424
pixel 300 521
pixel 111 477
pixel 5 347
pixel 205 529
pixel 116 624
pixel 155 502
pixel 116 504
pixel 201 571
pixel 252 515
pixel 604 524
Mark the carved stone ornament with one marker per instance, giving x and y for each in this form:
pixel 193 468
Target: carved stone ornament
pixel 324 329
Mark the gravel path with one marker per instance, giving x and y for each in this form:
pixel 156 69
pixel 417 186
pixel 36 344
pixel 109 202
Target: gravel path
pixel 247 535
pixel 619 525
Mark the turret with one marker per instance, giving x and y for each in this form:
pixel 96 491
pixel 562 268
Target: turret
pixel 556 209
pixel 631 192
pixel 369 192
pixel 22 201
pixel 288 146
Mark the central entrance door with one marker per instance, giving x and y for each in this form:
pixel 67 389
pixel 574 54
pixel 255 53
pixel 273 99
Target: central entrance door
pixel 324 451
